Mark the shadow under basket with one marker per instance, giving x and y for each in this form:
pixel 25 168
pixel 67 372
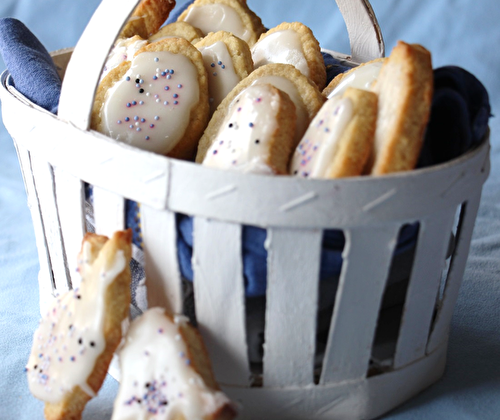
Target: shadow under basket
pixel 382 337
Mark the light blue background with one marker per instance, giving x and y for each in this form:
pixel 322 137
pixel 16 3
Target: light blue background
pixel 460 32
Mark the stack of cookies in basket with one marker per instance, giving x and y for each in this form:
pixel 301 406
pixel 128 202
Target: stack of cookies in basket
pixel 216 87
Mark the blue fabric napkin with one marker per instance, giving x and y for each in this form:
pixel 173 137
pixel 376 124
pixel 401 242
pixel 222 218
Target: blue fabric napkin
pixel 459 120
pixel 30 64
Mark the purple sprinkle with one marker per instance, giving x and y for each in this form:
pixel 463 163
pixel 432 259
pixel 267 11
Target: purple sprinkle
pixel 175 95
pixel 239 109
pixel 72 358
pixel 212 65
pixel 127 119
pixel 129 105
pixel 219 63
pixel 223 66
pixel 155 77
pixel 134 103
pixel 171 71
pixel 136 118
pixel 176 102
pixel 160 330
pixel 167 88
pixel 250 125
pixel 143 120
pixel 151 125
pixel 215 152
pixel 163 73
pixel 147 137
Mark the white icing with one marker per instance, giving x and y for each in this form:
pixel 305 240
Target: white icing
pixel 70 338
pixel 124 50
pixel 282 83
pixel 157 379
pixel 316 151
pixel 222 77
pixel 150 106
pixel 243 142
pixel 362 77
pixel 281 47
pixel 217 17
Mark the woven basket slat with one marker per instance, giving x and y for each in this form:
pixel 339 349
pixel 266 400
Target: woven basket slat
pixel 220 297
pixel 433 243
pixel 292 296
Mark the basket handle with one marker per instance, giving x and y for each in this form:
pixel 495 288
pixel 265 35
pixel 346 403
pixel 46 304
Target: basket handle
pixel 84 69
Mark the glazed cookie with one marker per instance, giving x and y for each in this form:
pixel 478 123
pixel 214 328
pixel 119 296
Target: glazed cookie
pixel 227 60
pixel 177 30
pixel 257 134
pixel 123 50
pixel 301 90
pixel 295 44
pixel 404 88
pixel 340 138
pixel 147 18
pixel 74 343
pixel 360 77
pixel 224 15
pixel 166 373
pixel 158 102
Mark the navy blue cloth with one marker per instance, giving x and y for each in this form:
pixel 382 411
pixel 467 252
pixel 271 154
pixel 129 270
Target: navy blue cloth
pixel 30 64
pixel 459 116
pixel 459 120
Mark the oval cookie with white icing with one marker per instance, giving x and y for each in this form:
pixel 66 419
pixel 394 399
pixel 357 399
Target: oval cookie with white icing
pixel 74 343
pixel 147 18
pixel 257 134
pixel 302 91
pixel 166 373
pixel 232 16
pixel 360 77
pixel 227 61
pixel 157 102
pixel 404 88
pixel 177 30
pixel 295 44
pixel 339 140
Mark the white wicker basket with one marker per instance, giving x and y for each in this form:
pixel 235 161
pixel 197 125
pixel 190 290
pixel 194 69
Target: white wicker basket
pixel 58 155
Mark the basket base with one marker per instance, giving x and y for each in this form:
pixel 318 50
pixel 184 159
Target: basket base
pixel 363 399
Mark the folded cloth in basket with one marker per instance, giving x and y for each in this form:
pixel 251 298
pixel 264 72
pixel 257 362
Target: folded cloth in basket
pixel 459 120
pixel 30 64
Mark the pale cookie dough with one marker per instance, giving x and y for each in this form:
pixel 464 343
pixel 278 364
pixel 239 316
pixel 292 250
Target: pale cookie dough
pixel 166 373
pixel 227 61
pixel 339 140
pixel 404 88
pixel 295 44
pixel 257 134
pixel 147 18
pixel 224 15
pixel 301 90
pixel 158 102
pixel 178 30
pixel 74 343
